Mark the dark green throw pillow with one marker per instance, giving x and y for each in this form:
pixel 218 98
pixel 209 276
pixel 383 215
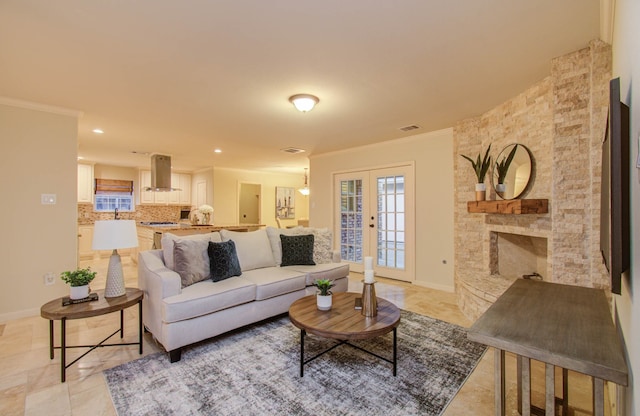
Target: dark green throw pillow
pixel 223 260
pixel 297 249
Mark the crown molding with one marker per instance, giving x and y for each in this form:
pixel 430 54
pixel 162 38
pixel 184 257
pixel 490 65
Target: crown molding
pixel 12 102
pixel 607 17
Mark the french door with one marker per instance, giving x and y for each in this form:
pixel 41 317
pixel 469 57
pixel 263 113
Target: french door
pixel 375 217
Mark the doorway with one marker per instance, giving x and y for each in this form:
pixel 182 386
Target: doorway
pixel 249 197
pixel 375 212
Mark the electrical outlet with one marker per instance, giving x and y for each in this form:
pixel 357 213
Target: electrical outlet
pixel 49 278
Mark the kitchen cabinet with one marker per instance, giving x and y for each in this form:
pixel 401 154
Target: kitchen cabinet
pixel 178 180
pixel 185 189
pixel 145 242
pixel 85 183
pixel 85 241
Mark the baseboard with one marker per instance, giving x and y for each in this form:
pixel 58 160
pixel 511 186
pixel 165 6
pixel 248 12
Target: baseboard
pixel 444 288
pixel 27 313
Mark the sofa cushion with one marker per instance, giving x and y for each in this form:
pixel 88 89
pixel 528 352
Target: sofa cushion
pixel 274 281
pixel 331 271
pixel 253 248
pixel 169 239
pixel 223 260
pixel 322 243
pixel 191 261
pixel 206 297
pixel 274 239
pixel 297 249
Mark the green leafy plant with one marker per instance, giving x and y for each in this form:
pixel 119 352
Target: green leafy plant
pixel 78 277
pixel 324 286
pixel 502 167
pixel 480 166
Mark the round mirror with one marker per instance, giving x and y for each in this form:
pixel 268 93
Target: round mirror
pixel 512 171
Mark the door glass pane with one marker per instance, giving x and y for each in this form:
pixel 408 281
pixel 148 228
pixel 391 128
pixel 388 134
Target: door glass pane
pixel 351 220
pixel 391 225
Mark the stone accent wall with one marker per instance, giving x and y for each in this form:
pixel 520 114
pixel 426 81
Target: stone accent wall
pixel 562 120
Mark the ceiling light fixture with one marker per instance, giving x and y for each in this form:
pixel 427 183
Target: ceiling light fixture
pixel 217 151
pixel 98 131
pixel 304 102
pixel 305 191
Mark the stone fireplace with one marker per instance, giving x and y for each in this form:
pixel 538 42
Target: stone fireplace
pixel 518 256
pixel 561 120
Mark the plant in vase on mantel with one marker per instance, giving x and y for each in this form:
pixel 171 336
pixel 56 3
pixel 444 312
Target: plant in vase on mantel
pixel 502 168
pixel 79 280
pixel 324 296
pixel 480 167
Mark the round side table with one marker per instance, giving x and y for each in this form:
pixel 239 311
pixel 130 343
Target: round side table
pixel 54 311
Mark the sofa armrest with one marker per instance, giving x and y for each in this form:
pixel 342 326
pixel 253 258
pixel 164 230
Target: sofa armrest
pixel 336 256
pixel 157 282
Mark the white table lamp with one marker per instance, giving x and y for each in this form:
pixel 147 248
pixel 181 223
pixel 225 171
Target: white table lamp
pixel 112 235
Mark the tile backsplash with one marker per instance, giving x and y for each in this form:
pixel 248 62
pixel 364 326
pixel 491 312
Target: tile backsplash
pixel 86 214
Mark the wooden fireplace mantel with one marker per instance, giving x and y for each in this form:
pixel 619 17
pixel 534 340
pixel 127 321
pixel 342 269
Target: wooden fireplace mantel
pixel 513 206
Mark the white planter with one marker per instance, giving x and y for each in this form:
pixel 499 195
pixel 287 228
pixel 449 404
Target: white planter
pixel 79 292
pixel 500 188
pixel 324 302
pixel 481 192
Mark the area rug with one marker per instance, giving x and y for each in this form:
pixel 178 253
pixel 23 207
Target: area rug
pixel 255 371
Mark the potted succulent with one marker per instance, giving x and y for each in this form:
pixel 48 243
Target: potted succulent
pixel 480 167
pixel 502 168
pixel 79 280
pixel 324 296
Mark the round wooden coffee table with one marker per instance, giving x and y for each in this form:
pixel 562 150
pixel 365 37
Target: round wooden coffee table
pixel 54 310
pixel 344 323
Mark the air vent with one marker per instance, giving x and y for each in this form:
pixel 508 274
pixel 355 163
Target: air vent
pixel 137 152
pixel 409 128
pixel 293 150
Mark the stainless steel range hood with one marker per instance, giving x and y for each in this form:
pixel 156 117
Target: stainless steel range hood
pixel 160 174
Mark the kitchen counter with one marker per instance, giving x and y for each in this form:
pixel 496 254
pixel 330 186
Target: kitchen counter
pixel 184 229
pixel 150 236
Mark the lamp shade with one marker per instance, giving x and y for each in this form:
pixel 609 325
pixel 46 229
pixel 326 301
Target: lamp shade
pixel 114 234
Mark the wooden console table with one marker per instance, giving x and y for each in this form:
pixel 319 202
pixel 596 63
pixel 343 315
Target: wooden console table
pixel 560 325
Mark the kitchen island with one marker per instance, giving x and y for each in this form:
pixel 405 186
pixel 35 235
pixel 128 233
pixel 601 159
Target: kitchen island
pixel 150 235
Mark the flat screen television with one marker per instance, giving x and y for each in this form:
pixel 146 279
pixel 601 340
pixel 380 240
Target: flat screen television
pixel 614 201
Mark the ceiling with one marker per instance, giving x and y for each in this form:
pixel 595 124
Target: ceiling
pixel 184 77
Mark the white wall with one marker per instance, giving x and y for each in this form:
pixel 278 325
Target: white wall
pixel 626 65
pixel 40 157
pixel 433 157
pixel 226 187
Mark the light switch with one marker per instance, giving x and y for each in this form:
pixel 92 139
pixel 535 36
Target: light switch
pixel 48 199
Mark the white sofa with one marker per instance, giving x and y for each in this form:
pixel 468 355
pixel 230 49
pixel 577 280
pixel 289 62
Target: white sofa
pixel 178 316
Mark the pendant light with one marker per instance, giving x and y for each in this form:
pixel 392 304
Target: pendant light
pixel 305 191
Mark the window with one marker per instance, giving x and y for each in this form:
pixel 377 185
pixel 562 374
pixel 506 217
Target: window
pixel 109 202
pixel 112 194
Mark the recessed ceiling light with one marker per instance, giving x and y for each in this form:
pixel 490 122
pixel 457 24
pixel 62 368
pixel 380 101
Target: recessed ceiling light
pixel 98 131
pixel 217 150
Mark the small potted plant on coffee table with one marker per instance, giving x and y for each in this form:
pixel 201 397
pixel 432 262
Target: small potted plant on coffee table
pixel 79 280
pixel 324 296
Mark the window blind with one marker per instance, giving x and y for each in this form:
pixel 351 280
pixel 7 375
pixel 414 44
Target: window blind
pixel 113 186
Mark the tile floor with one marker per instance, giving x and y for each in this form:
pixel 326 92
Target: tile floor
pixel 30 381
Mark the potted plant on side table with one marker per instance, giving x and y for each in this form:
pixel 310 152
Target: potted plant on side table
pixel 79 280
pixel 324 297
pixel 480 167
